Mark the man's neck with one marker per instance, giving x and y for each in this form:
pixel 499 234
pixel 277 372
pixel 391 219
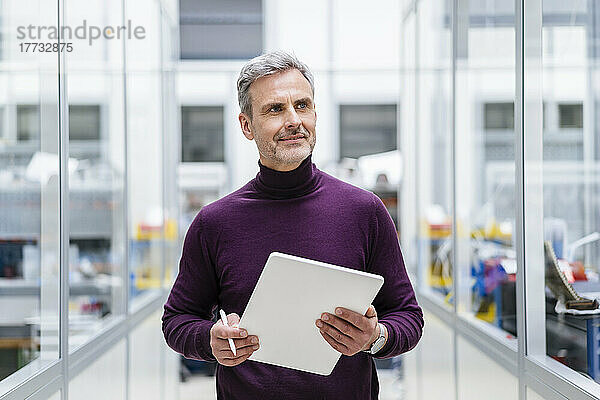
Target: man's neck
pixel 283 167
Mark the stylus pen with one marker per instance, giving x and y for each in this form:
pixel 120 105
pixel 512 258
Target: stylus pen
pixel 230 340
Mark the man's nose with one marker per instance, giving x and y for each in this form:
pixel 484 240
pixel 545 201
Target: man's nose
pixel 292 119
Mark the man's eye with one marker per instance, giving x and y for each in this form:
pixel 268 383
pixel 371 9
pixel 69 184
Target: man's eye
pixel 302 105
pixel 275 109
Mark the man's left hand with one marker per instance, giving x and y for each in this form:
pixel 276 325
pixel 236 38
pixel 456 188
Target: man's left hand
pixel 347 331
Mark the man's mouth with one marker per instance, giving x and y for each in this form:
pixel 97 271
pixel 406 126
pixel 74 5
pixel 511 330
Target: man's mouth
pixel 292 137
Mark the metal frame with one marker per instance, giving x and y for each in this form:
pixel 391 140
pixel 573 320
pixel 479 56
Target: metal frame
pixel 454 23
pixel 126 213
pixel 63 113
pixel 52 388
pixel 519 194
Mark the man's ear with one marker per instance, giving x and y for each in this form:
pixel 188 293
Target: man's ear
pixel 245 125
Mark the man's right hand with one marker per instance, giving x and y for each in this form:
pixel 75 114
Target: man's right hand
pixel 245 345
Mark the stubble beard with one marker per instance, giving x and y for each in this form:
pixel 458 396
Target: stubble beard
pixel 283 154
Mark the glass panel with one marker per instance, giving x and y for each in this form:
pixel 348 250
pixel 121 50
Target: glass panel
pixel 145 152
pixel 170 137
pixel 409 219
pixel 96 183
pixel 485 166
pixel 571 192
pixel 29 196
pixel 434 143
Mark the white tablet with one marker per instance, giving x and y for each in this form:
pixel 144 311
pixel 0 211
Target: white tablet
pixel 289 297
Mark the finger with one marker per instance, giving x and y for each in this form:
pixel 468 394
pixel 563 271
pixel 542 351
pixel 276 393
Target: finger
pixel 341 325
pixel 226 332
pixel 232 363
pixel 249 341
pixel 371 312
pixel 227 354
pixel 333 343
pixel 238 343
pixel 356 319
pixel 233 320
pixel 335 334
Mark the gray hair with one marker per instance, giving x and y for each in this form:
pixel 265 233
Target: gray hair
pixel 263 65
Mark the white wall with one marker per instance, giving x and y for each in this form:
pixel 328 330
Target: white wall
pixel 153 368
pixel 144 360
pixel 429 368
pixel 532 395
pixel 437 360
pixel 104 379
pixel 479 375
pixel 148 356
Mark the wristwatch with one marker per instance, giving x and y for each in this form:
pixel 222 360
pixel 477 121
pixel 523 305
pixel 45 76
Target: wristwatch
pixel 380 341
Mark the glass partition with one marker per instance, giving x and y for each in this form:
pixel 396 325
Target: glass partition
pixel 434 143
pixel 170 136
pixel 97 158
pixel 29 193
pixel 571 184
pixel 85 188
pixel 485 164
pixel 147 227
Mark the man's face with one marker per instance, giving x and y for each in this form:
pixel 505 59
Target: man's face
pixel 283 119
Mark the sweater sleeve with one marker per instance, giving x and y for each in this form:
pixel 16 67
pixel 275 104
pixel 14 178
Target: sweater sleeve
pixel 187 317
pixel 396 304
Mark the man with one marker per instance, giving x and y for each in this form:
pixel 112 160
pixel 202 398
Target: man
pixel 291 207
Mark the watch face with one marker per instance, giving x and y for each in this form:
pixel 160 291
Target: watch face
pixel 377 345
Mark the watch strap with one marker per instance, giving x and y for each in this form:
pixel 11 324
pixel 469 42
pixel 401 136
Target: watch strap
pixel 380 342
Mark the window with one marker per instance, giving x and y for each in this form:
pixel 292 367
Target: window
pixel 220 29
pixel 498 123
pixel 570 116
pixel 367 129
pixel 202 134
pixel 563 137
pixel 84 122
pixel 499 115
pixel 28 122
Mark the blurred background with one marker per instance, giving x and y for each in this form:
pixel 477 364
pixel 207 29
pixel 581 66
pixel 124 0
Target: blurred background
pixel 475 121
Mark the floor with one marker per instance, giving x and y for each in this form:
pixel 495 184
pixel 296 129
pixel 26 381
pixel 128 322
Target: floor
pixel 203 387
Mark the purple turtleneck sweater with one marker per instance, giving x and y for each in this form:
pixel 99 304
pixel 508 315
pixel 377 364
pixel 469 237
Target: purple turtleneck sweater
pixel 303 212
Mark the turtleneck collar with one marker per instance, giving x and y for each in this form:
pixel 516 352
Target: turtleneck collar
pixel 287 184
